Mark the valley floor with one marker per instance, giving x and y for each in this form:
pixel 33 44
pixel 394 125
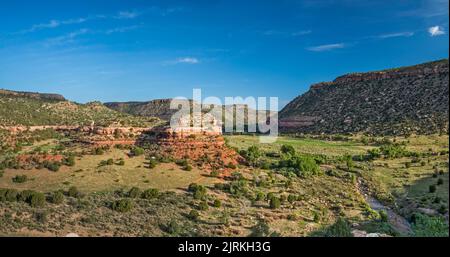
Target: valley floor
pixel 113 193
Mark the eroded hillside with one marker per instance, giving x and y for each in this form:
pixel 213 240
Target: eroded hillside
pixel 396 101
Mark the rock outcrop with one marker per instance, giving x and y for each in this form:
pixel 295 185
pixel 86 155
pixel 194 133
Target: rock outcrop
pixel 398 101
pixel 204 146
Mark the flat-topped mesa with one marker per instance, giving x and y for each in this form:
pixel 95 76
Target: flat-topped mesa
pixel 42 96
pixel 396 101
pixel 417 71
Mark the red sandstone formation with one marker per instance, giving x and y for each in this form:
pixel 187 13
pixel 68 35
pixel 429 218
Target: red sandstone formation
pixel 206 149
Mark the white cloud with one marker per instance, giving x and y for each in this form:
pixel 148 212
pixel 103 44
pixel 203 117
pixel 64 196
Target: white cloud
pixel 189 60
pixel 183 60
pixel 436 31
pixel 398 34
pixel 322 48
pixel 127 15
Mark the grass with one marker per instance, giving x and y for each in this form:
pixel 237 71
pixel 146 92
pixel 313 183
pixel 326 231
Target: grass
pixel 88 177
pixel 304 145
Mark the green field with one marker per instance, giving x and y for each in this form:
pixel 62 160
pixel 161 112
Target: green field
pixel 306 145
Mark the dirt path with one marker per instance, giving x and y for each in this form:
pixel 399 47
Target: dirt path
pixel 398 222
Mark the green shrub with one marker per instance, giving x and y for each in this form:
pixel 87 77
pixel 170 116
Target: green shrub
pixel 20 179
pixel 383 216
pixel 198 191
pixel 134 192
pixel 203 206
pixel 442 209
pixel 150 193
pixel 11 195
pixel 231 166
pixel 217 203
pixel 41 216
pixel 37 199
pixel 426 226
pixel 339 229
pixel 3 194
pixel 432 188
pixel 122 205
pixel 99 151
pixel 121 162
pixel 292 198
pixel 73 192
pixel 288 149
pixel 152 164
pixel 440 182
pixel 70 161
pixel 52 166
pixel 57 197
pixel 260 196
pixel 214 173
pixel 173 228
pixel 182 162
pixel 261 229
pixel 137 151
pixel 25 195
pixel 193 215
pixel 188 167
pixel 252 155
pixel 275 203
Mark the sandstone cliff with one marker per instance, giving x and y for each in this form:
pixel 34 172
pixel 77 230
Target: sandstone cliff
pixel 397 101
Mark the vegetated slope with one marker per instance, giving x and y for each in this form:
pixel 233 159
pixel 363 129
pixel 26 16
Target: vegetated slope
pixel 397 101
pixel 156 108
pixel 161 108
pixel 35 109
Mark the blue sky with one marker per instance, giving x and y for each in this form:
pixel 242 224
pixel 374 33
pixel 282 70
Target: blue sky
pixel 142 50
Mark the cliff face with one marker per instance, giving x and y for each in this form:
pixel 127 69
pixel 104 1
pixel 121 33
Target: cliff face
pixel 40 96
pixel 397 101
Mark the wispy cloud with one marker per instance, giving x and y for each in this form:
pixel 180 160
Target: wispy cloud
pixel 183 60
pixel 67 38
pixel 428 9
pixel 285 33
pixel 189 60
pixel 127 15
pixel 54 24
pixel 436 31
pixel 397 34
pixel 301 33
pixel 328 47
pixel 120 29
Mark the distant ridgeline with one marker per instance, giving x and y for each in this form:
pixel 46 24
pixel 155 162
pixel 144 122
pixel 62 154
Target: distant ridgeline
pixel 156 108
pixel 38 96
pixel 161 108
pixel 36 109
pixel 397 101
